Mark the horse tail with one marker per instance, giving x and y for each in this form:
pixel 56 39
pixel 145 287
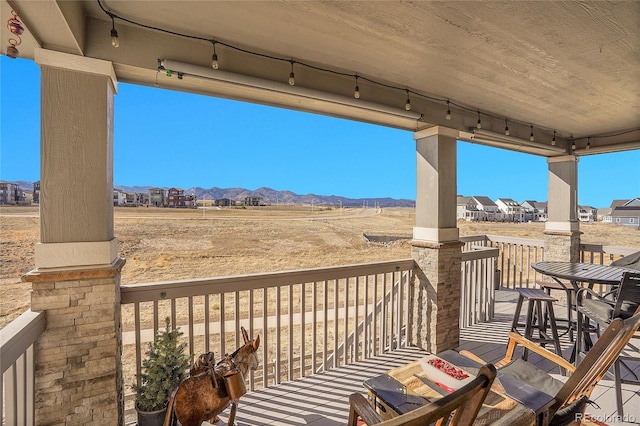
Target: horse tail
pixel 170 417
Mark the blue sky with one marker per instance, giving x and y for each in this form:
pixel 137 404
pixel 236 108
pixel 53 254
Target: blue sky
pixel 223 143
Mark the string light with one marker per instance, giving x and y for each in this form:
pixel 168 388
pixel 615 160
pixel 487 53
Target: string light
pixel 506 127
pixel 292 77
pixel 588 143
pixel 115 41
pixel 573 143
pixel 531 137
pixel 16 28
pixel 214 58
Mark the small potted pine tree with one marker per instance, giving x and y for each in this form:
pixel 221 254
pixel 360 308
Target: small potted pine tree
pixel 164 367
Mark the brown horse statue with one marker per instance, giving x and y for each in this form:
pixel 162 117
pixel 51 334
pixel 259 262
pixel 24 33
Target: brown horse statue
pixel 212 388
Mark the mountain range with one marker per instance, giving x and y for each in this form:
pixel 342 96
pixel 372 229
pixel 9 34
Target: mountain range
pixel 272 196
pixel 269 195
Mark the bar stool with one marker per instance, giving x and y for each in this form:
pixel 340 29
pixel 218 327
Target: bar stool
pixel 537 319
pixel 568 289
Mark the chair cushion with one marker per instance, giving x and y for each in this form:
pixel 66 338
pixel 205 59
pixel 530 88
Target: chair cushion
pixel 523 371
pixel 603 312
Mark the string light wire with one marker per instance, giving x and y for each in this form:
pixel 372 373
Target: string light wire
pixel 448 102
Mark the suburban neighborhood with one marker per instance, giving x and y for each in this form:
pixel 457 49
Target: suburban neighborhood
pixel 469 208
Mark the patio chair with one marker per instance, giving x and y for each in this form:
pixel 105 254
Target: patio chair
pixel 458 408
pixel 572 396
pixel 631 261
pixel 620 303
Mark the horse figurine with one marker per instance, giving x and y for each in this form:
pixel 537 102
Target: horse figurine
pixel 212 388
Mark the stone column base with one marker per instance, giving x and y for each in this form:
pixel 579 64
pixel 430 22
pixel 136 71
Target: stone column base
pixel 562 246
pixel 78 357
pixel 435 306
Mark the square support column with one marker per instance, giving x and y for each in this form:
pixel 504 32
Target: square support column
pixel 435 306
pixel 562 229
pixel 78 377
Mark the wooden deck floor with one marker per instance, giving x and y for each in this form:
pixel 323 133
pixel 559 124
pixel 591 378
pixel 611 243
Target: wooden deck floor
pixel 322 400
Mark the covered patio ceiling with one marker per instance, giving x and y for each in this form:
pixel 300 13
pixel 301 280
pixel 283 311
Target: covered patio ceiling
pixel 541 66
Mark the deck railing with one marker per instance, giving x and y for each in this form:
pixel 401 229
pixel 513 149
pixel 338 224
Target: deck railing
pixel 516 255
pixel 308 320
pixel 478 284
pixel 17 341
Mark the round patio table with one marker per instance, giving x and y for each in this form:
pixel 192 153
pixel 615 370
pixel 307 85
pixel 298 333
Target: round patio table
pixel 577 273
pixel 581 272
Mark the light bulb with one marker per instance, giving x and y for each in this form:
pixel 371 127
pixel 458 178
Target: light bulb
pixel 448 116
pixel 531 137
pixel 214 58
pixel 214 61
pixel 553 141
pixel 506 127
pixel 292 77
pixel 573 143
pixel 479 123
pixel 588 144
pixel 115 42
pixel 407 105
pixel 356 92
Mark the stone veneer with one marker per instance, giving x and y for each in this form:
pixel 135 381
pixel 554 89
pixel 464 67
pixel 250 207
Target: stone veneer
pixel 562 246
pixel 78 370
pixel 435 305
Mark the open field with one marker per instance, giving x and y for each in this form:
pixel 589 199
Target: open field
pixel 168 244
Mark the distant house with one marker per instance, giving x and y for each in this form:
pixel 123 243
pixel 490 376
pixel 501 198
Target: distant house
pixel 36 192
pixel 490 210
pixel 511 209
pixel 175 197
pixel 25 197
pixel 132 199
pixel 477 208
pixel 587 214
pixel 534 211
pixel 624 212
pixel 224 202
pixel 467 210
pixel 253 201
pixel 157 197
pixel 178 199
pixel 119 197
pixel 8 193
pixel 143 198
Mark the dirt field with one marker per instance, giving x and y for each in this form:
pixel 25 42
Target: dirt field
pixel 167 244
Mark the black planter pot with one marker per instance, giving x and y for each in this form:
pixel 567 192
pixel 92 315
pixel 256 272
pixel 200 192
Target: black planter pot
pixel 151 418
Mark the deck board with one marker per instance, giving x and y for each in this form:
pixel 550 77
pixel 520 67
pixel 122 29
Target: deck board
pixel 322 399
